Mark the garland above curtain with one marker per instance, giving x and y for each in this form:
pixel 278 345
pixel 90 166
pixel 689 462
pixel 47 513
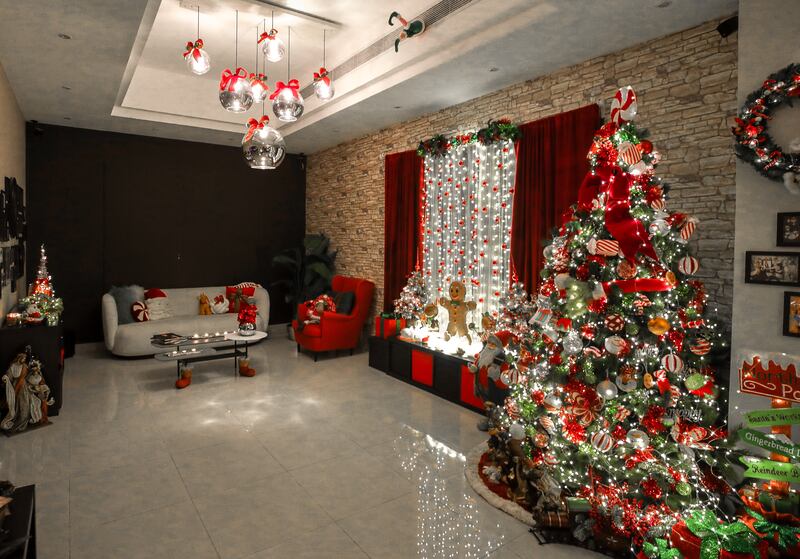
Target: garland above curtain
pixel 495 131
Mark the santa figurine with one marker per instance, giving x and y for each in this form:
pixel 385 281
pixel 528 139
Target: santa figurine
pixel 489 365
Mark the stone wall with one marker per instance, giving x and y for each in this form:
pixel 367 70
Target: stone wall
pixel 686 85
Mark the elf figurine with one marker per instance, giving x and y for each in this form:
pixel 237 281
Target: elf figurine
pixel 411 29
pixel 315 310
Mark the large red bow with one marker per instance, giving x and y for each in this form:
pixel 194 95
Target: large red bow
pixel 616 184
pixel 293 86
pixel 638 285
pixel 253 125
pixel 322 76
pixel 229 79
pixel 193 49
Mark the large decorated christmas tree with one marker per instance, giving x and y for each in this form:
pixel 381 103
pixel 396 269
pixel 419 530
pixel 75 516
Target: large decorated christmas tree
pixel 617 404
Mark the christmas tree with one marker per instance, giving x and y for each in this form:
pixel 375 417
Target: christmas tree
pixel 41 300
pixel 616 401
pixel 412 297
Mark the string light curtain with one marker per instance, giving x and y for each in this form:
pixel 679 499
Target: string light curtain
pixel 466 220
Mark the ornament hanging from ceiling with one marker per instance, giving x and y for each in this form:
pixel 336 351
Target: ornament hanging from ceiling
pixel 258 85
pixel 323 86
pixel 235 92
pixel 287 102
pixel 196 58
pixel 262 145
pixel 271 44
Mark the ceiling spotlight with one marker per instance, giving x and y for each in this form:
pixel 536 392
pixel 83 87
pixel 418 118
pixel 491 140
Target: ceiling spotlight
pixel 64 36
pixel 398 107
pixel 494 69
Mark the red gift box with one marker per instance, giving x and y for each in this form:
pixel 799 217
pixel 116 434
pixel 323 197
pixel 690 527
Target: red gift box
pixel 388 327
pixel 688 544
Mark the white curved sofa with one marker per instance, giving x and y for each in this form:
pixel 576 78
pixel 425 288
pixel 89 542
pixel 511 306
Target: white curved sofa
pixel 129 340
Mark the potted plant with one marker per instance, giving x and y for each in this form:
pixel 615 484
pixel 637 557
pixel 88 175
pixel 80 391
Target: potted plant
pixel 305 272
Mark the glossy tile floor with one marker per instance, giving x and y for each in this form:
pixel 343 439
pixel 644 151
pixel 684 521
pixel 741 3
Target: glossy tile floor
pixel 329 459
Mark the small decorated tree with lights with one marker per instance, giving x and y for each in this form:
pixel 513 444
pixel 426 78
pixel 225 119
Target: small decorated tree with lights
pixel 412 297
pixel 616 403
pixel 41 302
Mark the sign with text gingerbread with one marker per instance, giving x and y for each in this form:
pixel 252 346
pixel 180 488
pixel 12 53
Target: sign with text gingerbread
pixel 772 381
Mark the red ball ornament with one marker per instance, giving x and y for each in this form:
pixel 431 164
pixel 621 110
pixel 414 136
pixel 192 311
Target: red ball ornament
pixel 646 146
pixel 582 273
pixel 651 489
pixel 588 331
pixel 700 346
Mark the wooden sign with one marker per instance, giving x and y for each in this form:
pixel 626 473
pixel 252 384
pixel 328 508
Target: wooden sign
pixel 772 381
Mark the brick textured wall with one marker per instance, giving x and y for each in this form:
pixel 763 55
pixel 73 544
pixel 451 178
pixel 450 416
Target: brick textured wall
pixel 686 85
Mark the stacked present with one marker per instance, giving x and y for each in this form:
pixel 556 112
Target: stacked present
pixel 388 325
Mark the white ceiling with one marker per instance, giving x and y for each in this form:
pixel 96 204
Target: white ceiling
pixel 125 73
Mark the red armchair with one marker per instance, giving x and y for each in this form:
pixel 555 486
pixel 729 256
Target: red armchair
pixel 337 331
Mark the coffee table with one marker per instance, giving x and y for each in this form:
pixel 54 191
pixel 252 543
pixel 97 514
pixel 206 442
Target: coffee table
pixel 207 347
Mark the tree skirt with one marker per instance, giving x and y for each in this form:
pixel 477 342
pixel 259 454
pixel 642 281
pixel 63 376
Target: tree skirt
pixel 493 493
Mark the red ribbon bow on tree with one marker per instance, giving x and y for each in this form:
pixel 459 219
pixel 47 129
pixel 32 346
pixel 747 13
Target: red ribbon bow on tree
pixel 229 79
pixel 293 86
pixel 322 76
pixel 616 185
pixel 193 49
pixel 253 125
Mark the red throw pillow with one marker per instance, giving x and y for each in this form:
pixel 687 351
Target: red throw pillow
pixel 248 290
pixel 154 293
pixel 140 312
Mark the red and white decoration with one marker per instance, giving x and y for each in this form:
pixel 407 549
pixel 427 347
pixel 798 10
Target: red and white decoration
pixel 466 221
pixel 140 312
pixel 688 265
pixel 624 106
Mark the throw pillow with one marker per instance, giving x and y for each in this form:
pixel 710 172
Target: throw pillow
pixel 154 293
pixel 239 293
pixel 219 305
pixel 345 300
pixel 140 312
pixel 125 296
pixel 158 308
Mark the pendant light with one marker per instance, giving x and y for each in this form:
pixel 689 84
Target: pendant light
pixel 323 86
pixel 287 103
pixel 258 81
pixel 271 44
pixel 196 58
pixel 235 93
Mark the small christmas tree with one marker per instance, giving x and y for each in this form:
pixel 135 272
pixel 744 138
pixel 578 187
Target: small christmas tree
pixel 412 297
pixel 41 296
pixel 617 402
pixel 515 312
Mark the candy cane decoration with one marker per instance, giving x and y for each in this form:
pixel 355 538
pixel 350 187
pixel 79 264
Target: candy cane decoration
pixel 623 107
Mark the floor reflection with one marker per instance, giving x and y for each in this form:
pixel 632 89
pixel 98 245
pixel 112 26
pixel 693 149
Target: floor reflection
pixel 449 521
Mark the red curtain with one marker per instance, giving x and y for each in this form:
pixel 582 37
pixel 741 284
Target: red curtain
pixel 551 163
pixel 403 177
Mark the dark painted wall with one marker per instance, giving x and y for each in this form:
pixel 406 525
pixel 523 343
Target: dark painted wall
pixel 120 209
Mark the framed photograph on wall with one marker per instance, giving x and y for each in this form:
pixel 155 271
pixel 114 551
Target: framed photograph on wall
pixel 791 313
pixel 789 229
pixel 772 268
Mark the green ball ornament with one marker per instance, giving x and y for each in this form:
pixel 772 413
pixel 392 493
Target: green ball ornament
pixel 684 489
pixel 694 381
pixel 590 377
pixel 631 328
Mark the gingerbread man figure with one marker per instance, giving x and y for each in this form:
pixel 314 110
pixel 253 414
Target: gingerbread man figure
pixel 457 309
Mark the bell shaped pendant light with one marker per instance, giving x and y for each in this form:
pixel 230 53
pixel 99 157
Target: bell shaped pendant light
pixel 197 59
pixel 287 102
pixel 323 86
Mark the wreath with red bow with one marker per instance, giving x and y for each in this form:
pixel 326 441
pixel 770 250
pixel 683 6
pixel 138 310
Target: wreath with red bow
pixel 753 143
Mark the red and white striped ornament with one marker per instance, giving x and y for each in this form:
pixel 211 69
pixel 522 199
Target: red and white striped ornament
pixel 602 441
pixel 629 153
pixel 700 346
pixel 509 377
pixel 640 304
pixel 550 459
pixel 615 345
pixel 674 395
pixel 607 247
pixel 623 106
pixel 688 229
pixel 622 414
pixel 615 322
pixel 548 424
pixel 672 363
pixel 658 204
pixel 688 265
pixel 592 351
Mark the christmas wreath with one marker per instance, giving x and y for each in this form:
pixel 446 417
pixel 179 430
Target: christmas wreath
pixel 753 142
pixel 495 131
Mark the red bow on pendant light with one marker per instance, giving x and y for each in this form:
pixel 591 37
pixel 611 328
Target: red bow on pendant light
pixel 322 76
pixel 193 49
pixel 267 35
pixel 229 79
pixel 293 85
pixel 255 124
